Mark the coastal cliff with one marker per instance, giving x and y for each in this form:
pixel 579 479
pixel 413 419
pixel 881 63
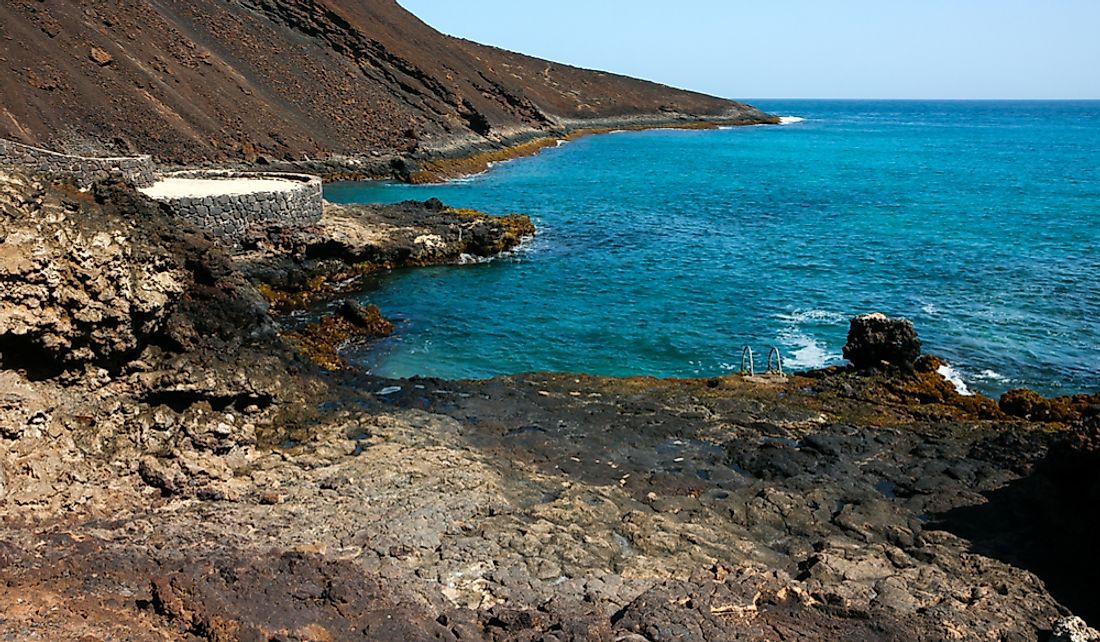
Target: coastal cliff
pixel 366 86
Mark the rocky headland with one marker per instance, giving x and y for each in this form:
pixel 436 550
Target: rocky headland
pixel 333 87
pixel 177 462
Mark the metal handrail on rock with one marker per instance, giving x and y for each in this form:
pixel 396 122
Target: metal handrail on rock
pixel 775 362
pixel 778 361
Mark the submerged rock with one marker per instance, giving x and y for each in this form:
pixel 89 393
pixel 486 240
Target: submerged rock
pixel 874 339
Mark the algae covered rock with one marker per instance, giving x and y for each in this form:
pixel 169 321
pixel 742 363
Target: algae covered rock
pixel 1030 405
pixel 321 341
pixel 874 339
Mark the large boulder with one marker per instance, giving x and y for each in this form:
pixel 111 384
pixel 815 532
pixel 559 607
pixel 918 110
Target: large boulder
pixel 876 339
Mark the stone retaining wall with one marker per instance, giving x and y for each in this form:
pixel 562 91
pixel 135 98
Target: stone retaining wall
pixel 84 170
pixel 230 215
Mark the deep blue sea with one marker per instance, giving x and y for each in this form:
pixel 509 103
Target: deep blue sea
pixel 664 252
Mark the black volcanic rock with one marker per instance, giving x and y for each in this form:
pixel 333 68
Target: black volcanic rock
pixel 213 485
pixel 874 339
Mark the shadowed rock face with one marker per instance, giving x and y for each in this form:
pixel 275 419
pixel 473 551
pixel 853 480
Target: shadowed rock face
pixel 212 80
pixel 1046 522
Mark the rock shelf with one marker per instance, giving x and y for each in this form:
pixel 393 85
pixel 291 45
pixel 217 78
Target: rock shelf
pixel 172 467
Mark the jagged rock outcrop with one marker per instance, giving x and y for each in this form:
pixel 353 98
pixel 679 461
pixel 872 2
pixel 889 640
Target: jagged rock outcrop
pixel 875 339
pixel 97 278
pixel 217 80
pixel 1073 629
pixel 350 241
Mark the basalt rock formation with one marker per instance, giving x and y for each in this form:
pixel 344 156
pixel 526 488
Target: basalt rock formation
pixel 248 80
pixel 875 340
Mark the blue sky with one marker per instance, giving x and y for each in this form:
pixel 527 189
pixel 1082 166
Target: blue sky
pixel 805 48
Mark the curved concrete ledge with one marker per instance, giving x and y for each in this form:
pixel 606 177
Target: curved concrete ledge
pixel 229 202
pixel 85 170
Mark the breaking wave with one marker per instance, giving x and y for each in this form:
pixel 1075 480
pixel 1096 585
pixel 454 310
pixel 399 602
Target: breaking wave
pixel 952 375
pixel 803 351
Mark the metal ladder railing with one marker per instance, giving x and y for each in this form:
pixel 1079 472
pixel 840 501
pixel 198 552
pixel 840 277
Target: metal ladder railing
pixel 775 362
pixel 778 367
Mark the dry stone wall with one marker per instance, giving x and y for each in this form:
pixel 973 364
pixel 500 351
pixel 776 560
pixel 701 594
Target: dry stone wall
pixel 230 215
pixel 138 170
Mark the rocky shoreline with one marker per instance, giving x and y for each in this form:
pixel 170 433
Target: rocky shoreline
pixel 462 156
pixel 174 465
pixel 443 164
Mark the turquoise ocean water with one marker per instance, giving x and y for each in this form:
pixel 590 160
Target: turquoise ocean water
pixel 664 252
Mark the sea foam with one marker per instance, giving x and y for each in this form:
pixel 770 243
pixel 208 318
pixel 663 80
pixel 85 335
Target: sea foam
pixel 952 375
pixel 804 352
pixel 812 316
pixel 790 120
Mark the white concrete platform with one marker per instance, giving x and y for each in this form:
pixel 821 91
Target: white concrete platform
pixel 167 188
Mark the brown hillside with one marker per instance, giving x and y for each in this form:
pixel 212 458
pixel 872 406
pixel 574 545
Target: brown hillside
pixel 218 80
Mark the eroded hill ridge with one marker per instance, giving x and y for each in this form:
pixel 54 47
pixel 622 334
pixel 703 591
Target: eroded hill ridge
pixel 290 80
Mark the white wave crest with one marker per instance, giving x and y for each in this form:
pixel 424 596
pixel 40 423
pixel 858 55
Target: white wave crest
pixel 952 375
pixel 471 178
pixel 805 352
pixel 790 120
pixel 812 316
pixel 470 259
pixel 528 246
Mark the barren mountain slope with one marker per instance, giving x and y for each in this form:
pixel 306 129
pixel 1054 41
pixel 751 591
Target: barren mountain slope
pixel 216 80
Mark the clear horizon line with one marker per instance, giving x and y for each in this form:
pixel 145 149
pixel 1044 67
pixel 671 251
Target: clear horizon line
pixel 757 98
